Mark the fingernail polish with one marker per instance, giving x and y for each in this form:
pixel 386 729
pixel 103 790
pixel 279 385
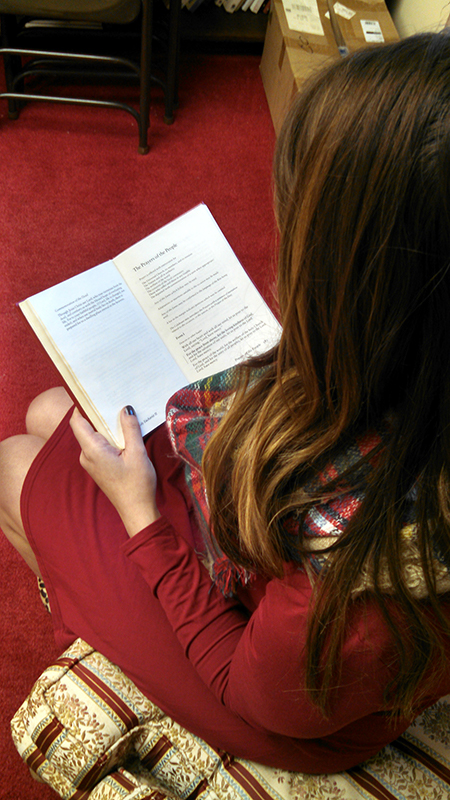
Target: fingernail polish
pixel 130 411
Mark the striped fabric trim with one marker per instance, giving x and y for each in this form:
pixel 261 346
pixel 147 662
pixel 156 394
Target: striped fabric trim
pixel 157 752
pixel 35 760
pixel 94 774
pixel 68 662
pixel 154 760
pixel 199 789
pixel 122 780
pixel 107 694
pixel 81 795
pixel 48 734
pixel 368 783
pixel 428 761
pixel 104 692
pixel 118 779
pixel 251 785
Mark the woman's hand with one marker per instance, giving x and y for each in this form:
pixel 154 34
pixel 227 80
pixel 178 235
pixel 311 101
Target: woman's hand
pixel 127 477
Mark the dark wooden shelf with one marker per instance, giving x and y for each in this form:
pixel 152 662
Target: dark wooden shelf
pixel 211 23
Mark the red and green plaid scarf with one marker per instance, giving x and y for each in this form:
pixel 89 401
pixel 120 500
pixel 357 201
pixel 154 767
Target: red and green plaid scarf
pixel 194 414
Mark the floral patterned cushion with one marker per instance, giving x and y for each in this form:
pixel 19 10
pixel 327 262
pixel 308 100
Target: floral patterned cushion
pixel 87 731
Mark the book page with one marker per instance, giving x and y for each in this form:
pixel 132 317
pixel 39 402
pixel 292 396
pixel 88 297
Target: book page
pixel 197 295
pixel 105 339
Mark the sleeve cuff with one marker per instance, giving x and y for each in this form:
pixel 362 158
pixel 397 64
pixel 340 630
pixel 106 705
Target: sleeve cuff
pixel 139 539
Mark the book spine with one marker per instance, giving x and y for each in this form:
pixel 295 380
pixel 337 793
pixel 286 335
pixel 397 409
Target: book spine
pixel 231 5
pixel 192 5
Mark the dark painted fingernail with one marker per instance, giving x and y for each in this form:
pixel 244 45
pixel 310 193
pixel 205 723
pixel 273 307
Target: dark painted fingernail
pixel 130 411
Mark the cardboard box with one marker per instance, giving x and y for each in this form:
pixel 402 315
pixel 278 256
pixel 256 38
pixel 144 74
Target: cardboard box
pixel 291 56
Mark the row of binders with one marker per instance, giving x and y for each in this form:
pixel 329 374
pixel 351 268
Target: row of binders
pixel 245 5
pixel 231 5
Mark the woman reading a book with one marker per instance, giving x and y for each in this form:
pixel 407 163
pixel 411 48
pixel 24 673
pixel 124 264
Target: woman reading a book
pixel 320 625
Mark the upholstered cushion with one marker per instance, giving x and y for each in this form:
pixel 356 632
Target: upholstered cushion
pixel 119 11
pixel 86 730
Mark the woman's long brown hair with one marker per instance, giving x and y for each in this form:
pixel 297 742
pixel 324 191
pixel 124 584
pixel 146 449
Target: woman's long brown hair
pixel 362 185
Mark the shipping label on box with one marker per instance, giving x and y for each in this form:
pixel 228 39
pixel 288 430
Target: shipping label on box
pixel 300 40
pixel 303 16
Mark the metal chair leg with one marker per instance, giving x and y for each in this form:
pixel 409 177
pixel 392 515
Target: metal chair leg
pixel 145 75
pixel 12 64
pixel 171 94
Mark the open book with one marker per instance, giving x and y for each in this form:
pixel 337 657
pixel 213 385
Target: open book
pixel 173 308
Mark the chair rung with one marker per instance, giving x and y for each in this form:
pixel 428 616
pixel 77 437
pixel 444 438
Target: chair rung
pixel 13 51
pixel 72 101
pixel 67 72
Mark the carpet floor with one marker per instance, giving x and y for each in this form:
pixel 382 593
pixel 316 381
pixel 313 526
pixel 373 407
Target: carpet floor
pixel 75 192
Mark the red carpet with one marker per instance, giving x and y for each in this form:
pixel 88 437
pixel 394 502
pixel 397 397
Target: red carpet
pixel 75 192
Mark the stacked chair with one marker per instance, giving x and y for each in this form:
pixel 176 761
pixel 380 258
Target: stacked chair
pixel 104 25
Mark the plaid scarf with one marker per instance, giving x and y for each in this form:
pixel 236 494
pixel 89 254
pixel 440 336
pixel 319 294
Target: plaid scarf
pixel 193 415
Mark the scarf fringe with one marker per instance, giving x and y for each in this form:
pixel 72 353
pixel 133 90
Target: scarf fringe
pixel 228 577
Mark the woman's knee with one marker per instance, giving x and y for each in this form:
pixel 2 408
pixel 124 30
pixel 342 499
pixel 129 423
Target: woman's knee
pixel 46 412
pixel 16 456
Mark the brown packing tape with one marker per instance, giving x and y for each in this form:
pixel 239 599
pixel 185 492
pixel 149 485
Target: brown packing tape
pixel 337 33
pixel 282 54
